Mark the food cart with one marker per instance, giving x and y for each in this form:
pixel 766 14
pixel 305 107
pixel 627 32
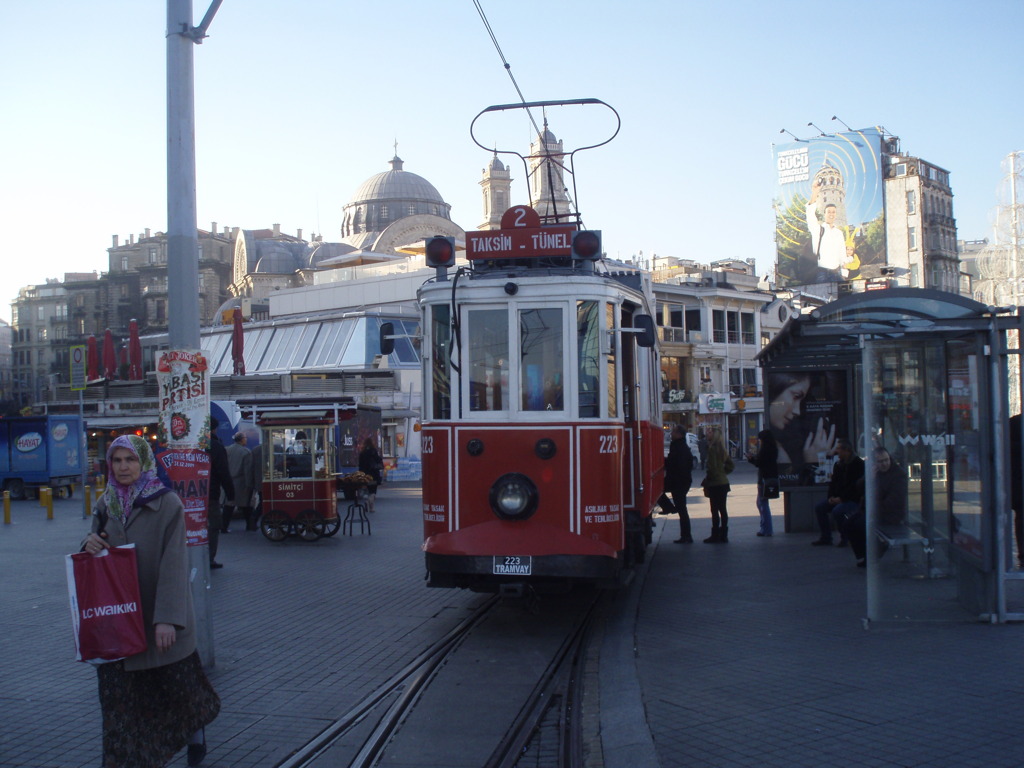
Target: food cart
pixel 299 487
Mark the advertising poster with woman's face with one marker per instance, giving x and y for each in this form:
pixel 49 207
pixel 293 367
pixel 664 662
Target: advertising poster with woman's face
pixel 807 413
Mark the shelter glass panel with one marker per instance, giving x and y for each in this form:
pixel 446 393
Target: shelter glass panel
pixel 281 348
pixel 909 518
pixel 256 347
pixel 303 345
pixel 356 353
pixel 215 348
pixel 329 346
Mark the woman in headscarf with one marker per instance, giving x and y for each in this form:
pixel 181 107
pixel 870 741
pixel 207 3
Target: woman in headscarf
pixel 159 701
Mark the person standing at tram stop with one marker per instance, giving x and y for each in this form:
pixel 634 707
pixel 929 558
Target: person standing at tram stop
pixel 767 462
pixel 716 487
pixel 845 493
pixel 219 486
pixel 678 479
pixel 157 702
pixel 371 464
pixel 240 466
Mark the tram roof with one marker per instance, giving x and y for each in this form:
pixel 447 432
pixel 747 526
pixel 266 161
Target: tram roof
pixel 829 336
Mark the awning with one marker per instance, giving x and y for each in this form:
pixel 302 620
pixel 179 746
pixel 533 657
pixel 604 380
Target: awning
pixel 116 422
pixel 388 413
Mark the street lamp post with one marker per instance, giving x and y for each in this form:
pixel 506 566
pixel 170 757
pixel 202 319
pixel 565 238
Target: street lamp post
pixel 182 245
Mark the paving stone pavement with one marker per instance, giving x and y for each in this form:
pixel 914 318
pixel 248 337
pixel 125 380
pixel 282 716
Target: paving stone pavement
pixel 746 654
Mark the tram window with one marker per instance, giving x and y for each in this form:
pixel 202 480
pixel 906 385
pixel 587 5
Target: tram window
pixel 610 372
pixel 588 351
pixel 440 382
pixel 488 360
pixel 540 347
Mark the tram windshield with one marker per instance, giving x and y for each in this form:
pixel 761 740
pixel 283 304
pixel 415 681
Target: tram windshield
pixel 520 358
pixel 540 345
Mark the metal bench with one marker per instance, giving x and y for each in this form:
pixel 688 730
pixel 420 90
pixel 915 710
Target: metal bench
pixel 903 536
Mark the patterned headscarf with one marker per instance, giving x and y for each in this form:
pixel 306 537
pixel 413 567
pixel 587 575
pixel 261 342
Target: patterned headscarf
pixel 121 499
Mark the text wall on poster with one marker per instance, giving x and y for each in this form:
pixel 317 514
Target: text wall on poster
pixel 829 209
pixel 807 414
pixel 183 383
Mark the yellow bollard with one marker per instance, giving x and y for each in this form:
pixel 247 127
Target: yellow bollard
pixel 49 503
pixel 42 495
pixel 88 502
pixel 7 507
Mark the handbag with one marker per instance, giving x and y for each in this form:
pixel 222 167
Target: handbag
pixel 770 487
pixel 106 606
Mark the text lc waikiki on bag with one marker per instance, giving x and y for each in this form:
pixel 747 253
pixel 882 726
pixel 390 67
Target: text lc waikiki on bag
pixel 106 609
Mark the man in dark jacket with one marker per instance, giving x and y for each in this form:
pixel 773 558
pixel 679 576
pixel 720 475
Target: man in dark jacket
pixel 845 492
pixel 678 479
pixel 220 479
pixel 890 503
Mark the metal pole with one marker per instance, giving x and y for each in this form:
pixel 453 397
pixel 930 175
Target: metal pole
pixel 182 255
pixel 85 456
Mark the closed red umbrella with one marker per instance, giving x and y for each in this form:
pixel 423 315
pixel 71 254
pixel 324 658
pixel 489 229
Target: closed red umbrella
pixel 92 359
pixel 109 356
pixel 238 343
pixel 134 352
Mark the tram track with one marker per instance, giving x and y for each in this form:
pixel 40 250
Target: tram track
pixel 544 728
pixel 404 687
pixel 554 710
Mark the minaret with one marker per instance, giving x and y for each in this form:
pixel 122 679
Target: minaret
pixel 497 187
pixel 547 184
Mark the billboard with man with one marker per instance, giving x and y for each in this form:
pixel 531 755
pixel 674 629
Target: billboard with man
pixel 829 209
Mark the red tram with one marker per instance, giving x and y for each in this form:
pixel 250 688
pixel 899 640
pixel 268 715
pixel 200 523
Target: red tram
pixel 542 442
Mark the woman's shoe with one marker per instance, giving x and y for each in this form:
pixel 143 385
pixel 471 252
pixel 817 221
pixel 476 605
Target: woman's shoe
pixel 197 752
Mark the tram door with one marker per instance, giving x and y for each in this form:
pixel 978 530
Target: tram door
pixel 926 411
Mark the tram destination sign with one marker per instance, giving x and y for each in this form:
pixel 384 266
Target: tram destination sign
pixel 519 243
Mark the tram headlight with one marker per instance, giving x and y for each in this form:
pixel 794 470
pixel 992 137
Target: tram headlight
pixel 586 245
pixel 514 497
pixel 439 251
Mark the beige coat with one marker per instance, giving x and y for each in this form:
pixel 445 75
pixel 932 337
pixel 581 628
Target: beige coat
pixel 158 531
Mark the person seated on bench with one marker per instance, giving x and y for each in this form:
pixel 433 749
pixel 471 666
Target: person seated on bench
pixel 845 493
pixel 890 503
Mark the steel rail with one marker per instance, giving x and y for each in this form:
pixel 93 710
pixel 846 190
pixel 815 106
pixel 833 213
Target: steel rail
pixel 408 682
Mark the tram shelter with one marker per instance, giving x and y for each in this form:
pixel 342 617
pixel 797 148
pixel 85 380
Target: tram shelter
pixel 923 375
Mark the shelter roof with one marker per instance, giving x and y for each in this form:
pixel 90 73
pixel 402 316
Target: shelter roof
pixel 830 335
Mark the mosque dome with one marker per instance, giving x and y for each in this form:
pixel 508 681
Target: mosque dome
pixel 386 198
pixel 276 259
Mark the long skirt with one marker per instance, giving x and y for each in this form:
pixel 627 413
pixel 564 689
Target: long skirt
pixel 149 715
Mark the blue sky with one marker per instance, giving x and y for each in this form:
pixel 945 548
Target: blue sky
pixel 298 103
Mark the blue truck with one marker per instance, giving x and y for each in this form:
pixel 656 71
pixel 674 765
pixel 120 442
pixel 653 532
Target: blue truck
pixel 37 451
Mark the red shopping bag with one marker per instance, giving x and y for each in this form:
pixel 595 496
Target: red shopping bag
pixel 106 609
